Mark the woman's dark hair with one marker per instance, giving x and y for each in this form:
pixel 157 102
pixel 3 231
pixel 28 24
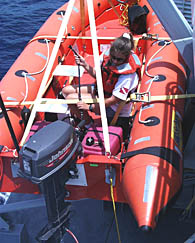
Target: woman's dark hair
pixel 124 44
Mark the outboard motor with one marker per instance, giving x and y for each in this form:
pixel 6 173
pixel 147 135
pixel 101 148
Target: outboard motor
pixel 49 159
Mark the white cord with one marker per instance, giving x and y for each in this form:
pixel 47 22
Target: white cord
pixel 154 77
pixel 35 73
pixel 146 70
pixel 6 149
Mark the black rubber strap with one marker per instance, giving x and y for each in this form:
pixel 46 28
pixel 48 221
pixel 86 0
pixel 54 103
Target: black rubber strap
pixel 112 133
pixel 167 154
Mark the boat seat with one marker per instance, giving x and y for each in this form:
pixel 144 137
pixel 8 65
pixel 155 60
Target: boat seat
pixel 68 70
pixel 86 78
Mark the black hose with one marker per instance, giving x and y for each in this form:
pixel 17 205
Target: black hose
pixel 9 124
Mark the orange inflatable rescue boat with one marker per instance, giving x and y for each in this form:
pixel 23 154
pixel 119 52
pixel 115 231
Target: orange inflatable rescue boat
pixel 145 171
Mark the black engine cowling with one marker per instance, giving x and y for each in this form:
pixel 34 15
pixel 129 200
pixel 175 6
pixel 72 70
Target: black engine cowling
pixel 51 149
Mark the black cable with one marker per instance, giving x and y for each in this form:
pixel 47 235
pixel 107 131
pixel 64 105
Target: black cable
pixel 79 79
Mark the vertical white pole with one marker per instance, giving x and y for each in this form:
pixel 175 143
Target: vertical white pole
pixel 98 75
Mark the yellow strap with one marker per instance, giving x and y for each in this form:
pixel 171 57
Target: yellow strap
pixel 114 208
pixel 119 108
pixel 147 98
pixel 133 97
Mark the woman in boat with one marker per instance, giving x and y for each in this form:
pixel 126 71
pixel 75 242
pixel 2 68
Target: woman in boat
pixel 119 76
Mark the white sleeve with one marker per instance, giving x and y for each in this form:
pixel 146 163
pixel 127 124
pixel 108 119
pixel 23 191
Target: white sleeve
pixel 124 85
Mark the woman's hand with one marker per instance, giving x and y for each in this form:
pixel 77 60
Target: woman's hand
pixel 80 60
pixel 82 106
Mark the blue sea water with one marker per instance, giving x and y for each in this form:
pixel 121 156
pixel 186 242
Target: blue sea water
pixel 19 21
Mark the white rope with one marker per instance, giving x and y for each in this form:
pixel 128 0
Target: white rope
pixel 38 72
pixel 35 73
pixel 146 70
pixel 26 86
pixel 6 150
